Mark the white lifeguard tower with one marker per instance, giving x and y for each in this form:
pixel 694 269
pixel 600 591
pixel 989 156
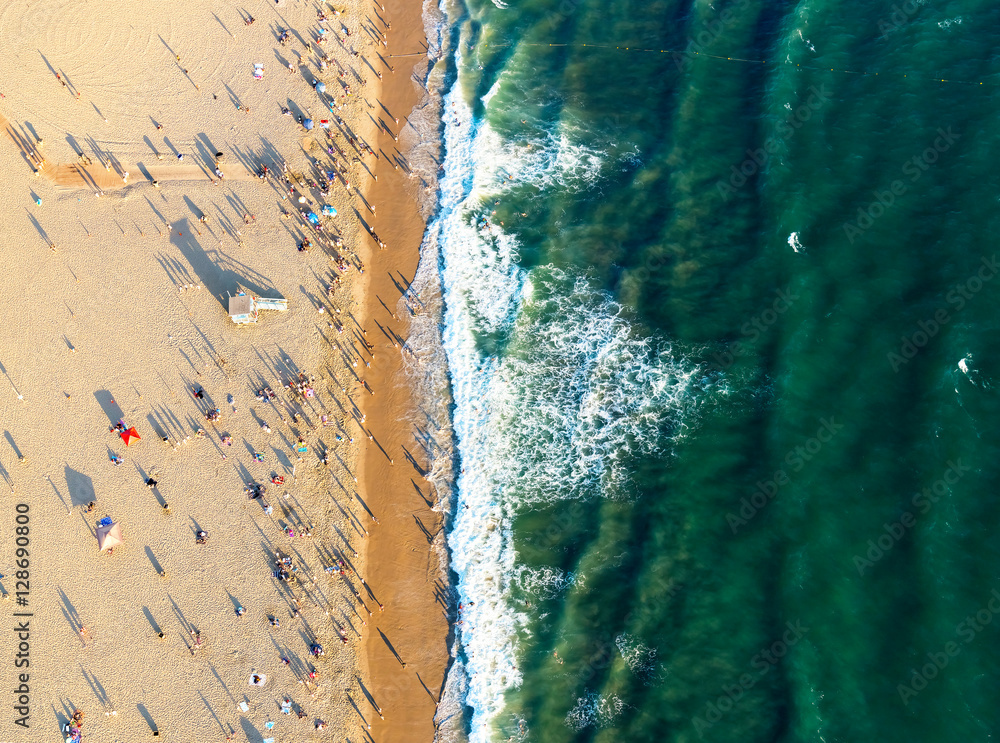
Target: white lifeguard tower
pixel 243 307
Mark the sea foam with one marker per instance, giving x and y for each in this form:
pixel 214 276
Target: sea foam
pixel 577 394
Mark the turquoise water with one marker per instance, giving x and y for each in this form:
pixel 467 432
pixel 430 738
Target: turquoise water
pixel 721 339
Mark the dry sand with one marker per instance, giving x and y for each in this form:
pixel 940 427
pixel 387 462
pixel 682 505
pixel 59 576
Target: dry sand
pixel 116 303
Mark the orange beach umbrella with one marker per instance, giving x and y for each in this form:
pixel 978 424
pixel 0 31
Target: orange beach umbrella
pixel 130 434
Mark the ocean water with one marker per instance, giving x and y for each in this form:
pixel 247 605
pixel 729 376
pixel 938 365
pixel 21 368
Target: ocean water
pixel 720 320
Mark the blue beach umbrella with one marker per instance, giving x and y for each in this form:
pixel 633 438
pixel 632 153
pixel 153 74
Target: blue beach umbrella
pixel 308 123
pixel 321 87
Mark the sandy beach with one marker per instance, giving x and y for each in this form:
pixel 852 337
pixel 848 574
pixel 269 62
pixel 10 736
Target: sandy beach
pixel 117 311
pixel 405 659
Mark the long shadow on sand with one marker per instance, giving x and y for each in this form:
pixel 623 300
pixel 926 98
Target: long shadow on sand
pixel 219 273
pixel 253 735
pixel 81 487
pixel 111 409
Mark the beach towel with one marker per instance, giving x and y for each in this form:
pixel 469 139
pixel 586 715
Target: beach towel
pixel 258 71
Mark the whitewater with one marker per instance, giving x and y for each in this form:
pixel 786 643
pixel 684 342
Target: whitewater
pixel 557 403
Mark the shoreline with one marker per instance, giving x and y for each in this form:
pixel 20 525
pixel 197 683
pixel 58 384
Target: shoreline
pixel 405 656
pixel 187 341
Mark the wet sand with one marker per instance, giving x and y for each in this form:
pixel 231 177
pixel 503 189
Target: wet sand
pixel 406 655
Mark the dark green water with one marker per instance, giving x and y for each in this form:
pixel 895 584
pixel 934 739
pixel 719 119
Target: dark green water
pixel 726 375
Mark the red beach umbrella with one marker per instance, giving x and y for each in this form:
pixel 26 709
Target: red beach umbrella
pixel 130 434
